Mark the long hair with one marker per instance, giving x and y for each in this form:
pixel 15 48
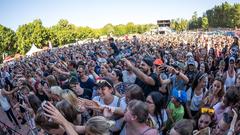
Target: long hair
pixel 34 102
pixel 67 110
pixel 158 101
pixel 197 79
pixel 221 92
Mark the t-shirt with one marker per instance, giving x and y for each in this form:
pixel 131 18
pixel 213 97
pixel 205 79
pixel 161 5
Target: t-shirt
pixel 115 103
pixel 89 84
pixel 177 113
pixel 146 87
pixel 196 102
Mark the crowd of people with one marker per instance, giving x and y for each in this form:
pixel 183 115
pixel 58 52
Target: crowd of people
pixel 180 84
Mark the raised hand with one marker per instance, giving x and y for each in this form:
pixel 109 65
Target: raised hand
pixel 53 113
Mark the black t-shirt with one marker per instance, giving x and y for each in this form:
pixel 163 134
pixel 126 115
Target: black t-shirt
pixel 115 49
pixel 146 87
pixel 89 84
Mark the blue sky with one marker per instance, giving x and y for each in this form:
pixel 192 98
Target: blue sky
pixel 97 13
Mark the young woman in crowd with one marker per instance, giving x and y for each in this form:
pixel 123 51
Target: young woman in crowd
pixel 157 112
pixel 119 85
pixel 196 94
pixel 215 94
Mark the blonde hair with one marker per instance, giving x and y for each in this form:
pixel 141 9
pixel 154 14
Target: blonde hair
pixel 99 125
pixel 70 97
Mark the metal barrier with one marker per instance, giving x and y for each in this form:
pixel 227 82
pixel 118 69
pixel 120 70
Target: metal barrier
pixel 8 130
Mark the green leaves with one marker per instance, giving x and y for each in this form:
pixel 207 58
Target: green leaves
pixel 224 15
pixel 31 33
pixel 179 24
pixel 205 23
pixel 8 40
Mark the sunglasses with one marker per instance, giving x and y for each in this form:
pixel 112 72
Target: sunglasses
pixel 102 82
pixel 207 110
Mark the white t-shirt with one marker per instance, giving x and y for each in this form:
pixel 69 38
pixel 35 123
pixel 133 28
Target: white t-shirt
pixel 122 104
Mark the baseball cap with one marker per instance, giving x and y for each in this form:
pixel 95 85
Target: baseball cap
pixel 191 62
pixel 158 62
pixel 180 95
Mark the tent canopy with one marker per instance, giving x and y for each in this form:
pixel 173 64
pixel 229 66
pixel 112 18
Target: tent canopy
pixel 33 49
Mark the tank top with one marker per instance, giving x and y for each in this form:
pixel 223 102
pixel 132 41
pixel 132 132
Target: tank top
pixel 4 102
pixel 196 102
pixel 230 80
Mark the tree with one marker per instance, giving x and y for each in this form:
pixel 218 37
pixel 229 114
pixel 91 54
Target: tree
pixel 31 33
pixel 193 24
pixel 131 28
pixel 179 24
pixel 63 33
pixel 8 39
pixel 205 23
pixel 120 30
pixel 108 29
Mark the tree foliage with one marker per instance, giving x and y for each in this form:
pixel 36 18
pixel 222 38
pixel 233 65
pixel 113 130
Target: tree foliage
pixel 179 24
pixel 8 40
pixel 31 33
pixel 224 15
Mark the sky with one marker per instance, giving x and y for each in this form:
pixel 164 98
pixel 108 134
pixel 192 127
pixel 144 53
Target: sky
pixel 97 13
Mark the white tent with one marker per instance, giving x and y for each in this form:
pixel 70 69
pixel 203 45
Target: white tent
pixel 33 49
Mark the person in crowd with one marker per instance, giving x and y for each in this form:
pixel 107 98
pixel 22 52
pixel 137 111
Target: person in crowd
pixel 135 117
pixel 183 127
pixel 128 75
pixel 237 81
pixel 191 71
pixel 157 112
pixel 119 85
pixel 108 102
pixel 230 74
pixel 6 106
pixel 215 94
pixel 196 95
pixel 85 81
pixel 42 91
pixel 231 98
pixel 78 90
pixel 145 76
pixel 224 124
pixel 175 108
pixel 115 51
pixel 206 118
